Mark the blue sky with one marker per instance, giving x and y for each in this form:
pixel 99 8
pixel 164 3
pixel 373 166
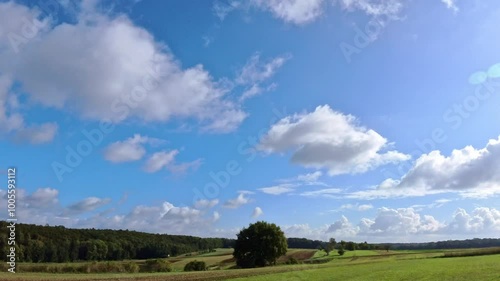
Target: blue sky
pixel 359 120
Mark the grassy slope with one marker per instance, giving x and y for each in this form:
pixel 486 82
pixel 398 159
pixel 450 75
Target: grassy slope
pixel 359 265
pixel 456 269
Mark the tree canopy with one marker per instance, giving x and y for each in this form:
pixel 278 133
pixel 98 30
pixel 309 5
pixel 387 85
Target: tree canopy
pixel 260 244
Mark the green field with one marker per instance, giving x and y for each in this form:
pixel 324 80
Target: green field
pixel 354 265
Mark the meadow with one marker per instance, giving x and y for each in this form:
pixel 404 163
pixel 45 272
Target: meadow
pixel 463 264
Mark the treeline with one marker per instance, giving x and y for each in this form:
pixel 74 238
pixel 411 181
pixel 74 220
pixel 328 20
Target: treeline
pixel 35 243
pixel 303 243
pixel 351 246
pixel 449 244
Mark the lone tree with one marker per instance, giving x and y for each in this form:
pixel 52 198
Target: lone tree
pixel 260 244
pixel 329 246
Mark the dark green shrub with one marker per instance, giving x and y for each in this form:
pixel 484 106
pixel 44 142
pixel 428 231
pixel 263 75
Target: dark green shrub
pixel 195 266
pixel 157 265
pixel 131 267
pixel 292 260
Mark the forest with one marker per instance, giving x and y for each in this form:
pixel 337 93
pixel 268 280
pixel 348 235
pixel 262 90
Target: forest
pixel 36 243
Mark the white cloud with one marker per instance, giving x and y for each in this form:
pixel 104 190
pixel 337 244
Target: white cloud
pixel 216 216
pixel 289 185
pixel 450 4
pixel 402 221
pixel 302 12
pixel 481 220
pixel 160 160
pixel 327 192
pixel 237 202
pixel 342 228
pixel 388 225
pixel 182 168
pixel 131 149
pixel 292 11
pixel 470 172
pixel 40 198
pixel 257 212
pixel 357 207
pixel 43 207
pixel 255 72
pixel 246 192
pixel 104 67
pixel 88 204
pixel 310 177
pixel 278 189
pixel 13 123
pixel 329 139
pixel 389 8
pixel 205 204
pixel 37 134
pixel 222 8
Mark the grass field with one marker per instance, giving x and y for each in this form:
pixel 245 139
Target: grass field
pixel 355 265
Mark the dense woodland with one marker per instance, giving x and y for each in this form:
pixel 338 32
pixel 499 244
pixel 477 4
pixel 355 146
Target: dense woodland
pixel 35 243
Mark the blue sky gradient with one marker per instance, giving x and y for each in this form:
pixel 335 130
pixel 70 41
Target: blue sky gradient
pixel 359 120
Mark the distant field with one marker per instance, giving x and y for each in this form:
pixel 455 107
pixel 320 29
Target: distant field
pixel 388 269
pixel 355 265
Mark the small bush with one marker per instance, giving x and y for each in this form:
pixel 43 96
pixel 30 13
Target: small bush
pixel 157 265
pixel 292 260
pixel 195 266
pixel 341 252
pixel 131 267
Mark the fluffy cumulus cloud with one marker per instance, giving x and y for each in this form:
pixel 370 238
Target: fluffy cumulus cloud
pixel 470 172
pixel 450 4
pixel 310 177
pixel 160 160
pixel 104 67
pixel 403 221
pixel 131 149
pixel 329 139
pixel 257 212
pixel 42 206
pixel 206 204
pixel 240 200
pixel 340 229
pixel 403 225
pixel 479 221
pixel 12 123
pixel 134 149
